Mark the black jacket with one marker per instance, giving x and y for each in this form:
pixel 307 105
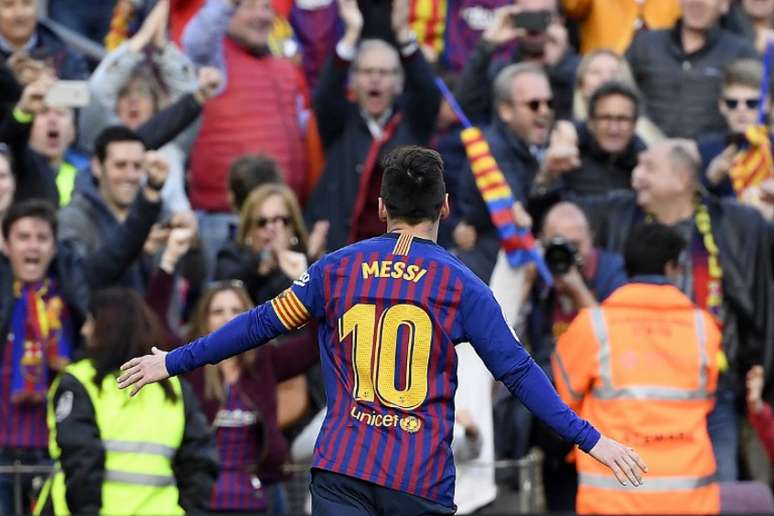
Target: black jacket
pixel 69 65
pixel 474 91
pixel 235 261
pixel 195 463
pixel 681 90
pixel 36 179
pixel 346 138
pixel 519 167
pixel 745 242
pixel 600 171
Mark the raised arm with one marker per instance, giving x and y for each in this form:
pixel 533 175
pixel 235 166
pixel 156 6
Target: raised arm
pixel 203 36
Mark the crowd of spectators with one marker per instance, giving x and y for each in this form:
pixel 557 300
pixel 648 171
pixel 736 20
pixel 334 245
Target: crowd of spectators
pixel 225 145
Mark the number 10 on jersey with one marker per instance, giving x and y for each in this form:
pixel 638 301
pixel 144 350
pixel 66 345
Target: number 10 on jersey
pixel 374 353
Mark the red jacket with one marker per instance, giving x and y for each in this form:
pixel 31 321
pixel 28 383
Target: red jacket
pixel 261 110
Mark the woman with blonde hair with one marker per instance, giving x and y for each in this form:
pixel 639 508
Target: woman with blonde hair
pixel 601 66
pixel 240 398
pixel 272 246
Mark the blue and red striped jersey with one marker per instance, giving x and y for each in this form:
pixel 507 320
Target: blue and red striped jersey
pixel 391 310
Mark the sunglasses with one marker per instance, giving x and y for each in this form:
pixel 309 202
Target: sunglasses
pixel 734 103
pixel 262 222
pixel 534 104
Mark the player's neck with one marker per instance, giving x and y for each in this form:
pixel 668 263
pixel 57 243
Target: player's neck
pixel 426 230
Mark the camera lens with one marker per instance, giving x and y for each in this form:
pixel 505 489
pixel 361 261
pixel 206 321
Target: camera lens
pixel 560 255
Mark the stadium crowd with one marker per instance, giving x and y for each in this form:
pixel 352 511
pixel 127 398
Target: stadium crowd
pixel 225 145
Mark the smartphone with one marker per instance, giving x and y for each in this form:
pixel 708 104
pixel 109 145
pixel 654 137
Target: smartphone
pixel 68 94
pixel 532 21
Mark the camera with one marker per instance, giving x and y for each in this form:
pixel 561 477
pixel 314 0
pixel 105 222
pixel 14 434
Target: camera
pixel 561 255
pixel 532 21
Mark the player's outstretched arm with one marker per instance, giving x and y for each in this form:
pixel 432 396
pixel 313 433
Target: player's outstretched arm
pixel 625 463
pixel 143 370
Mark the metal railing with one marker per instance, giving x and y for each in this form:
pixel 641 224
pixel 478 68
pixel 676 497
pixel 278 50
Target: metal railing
pixel 529 498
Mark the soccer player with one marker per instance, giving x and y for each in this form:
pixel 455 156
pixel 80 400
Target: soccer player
pixel 391 309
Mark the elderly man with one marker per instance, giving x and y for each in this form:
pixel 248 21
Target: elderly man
pixel 357 134
pixel 22 37
pixel 524 106
pixel 599 155
pixel 264 107
pixel 678 69
pixel 726 268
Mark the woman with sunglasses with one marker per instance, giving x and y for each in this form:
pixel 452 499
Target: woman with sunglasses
pixel 240 398
pixel 272 247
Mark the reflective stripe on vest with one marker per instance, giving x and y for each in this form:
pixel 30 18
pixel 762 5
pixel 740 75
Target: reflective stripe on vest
pixel 646 392
pixel 139 447
pixel 577 396
pixel 650 484
pixel 141 479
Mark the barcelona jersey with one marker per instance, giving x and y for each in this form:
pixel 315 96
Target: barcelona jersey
pixel 391 310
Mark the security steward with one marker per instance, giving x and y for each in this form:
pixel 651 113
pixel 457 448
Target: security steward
pixel 149 454
pixel 642 368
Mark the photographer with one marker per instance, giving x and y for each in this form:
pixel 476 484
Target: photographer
pixel 583 276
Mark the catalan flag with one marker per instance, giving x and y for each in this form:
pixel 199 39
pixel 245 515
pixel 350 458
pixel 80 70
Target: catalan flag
pixel 753 164
pixel 517 242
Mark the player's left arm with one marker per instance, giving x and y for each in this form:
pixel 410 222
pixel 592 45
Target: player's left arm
pixel 485 326
pixel 290 310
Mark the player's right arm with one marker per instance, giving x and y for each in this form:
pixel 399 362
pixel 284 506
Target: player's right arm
pixel 484 325
pixel 292 309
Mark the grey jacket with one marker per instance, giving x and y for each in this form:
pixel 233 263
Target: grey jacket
pixel 681 90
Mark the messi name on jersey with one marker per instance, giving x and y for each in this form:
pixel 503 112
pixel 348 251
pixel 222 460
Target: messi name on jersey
pixel 394 270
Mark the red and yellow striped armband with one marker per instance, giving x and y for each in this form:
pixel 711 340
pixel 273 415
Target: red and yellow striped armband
pixel 290 310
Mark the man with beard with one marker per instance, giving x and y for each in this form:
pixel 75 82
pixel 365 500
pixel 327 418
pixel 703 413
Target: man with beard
pixel 725 269
pixel 356 135
pixel 543 42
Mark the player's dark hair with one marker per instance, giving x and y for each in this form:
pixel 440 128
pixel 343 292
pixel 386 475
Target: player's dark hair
pixel 112 134
pixel 650 247
pixel 413 188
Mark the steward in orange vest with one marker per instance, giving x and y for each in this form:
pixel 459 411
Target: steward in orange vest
pixel 642 368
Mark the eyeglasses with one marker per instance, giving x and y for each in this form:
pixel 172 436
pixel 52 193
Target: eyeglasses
pixel 534 104
pixel 379 72
pixel 614 119
pixel 262 222
pixel 234 284
pixel 748 103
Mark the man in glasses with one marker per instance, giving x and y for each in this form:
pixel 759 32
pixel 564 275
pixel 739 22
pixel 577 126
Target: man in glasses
pixel 395 103
pixel 724 155
pixel 524 107
pixel 596 156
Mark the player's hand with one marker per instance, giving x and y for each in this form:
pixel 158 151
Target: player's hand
pixel 624 462
pixel 755 389
pixel 141 371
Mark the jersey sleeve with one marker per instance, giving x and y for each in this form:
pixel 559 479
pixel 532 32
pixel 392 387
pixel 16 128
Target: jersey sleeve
pixel 484 325
pixel 290 310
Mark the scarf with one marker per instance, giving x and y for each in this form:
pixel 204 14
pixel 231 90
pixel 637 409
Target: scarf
pixel 752 166
pixel 707 272
pixel 41 338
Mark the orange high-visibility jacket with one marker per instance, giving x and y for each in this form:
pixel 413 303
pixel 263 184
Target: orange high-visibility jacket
pixel 642 368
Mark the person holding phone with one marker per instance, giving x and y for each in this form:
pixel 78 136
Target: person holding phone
pixel 541 38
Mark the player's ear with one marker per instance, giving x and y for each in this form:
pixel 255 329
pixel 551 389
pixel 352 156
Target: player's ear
pixel 445 210
pixel 382 210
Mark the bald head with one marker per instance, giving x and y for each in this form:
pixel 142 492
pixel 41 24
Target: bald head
pixel 568 221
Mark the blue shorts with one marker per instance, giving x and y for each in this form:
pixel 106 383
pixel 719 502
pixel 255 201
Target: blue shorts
pixel 334 494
